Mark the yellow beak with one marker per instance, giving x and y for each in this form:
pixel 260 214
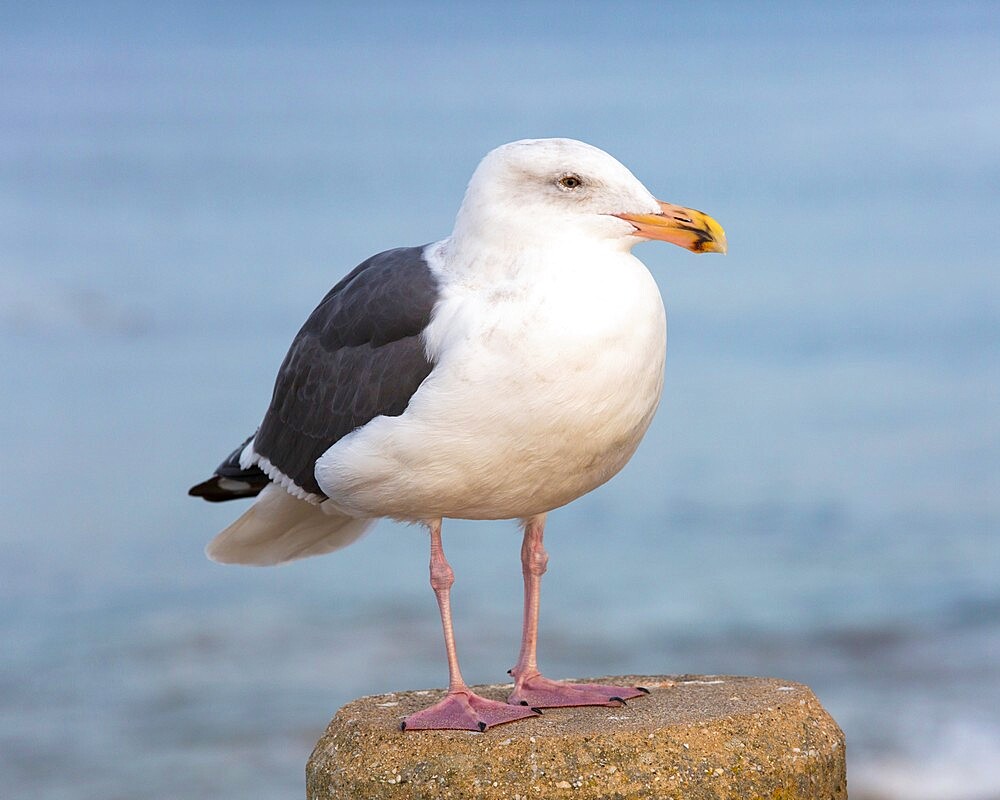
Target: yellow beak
pixel 685 227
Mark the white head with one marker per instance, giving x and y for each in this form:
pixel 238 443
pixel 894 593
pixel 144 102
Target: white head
pixel 538 191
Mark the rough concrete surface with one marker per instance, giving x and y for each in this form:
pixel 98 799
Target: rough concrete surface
pixel 692 738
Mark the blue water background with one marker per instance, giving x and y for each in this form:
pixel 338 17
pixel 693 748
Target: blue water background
pixel 818 498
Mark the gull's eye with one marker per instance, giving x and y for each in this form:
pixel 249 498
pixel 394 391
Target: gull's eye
pixel 570 182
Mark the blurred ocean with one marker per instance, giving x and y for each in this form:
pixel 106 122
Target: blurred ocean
pixel 818 498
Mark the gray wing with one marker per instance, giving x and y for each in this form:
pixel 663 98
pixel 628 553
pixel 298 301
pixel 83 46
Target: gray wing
pixel 358 356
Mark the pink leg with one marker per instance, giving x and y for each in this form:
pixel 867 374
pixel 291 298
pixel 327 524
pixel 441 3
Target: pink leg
pixel 530 687
pixel 461 709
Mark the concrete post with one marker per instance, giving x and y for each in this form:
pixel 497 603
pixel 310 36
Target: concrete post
pixel 692 738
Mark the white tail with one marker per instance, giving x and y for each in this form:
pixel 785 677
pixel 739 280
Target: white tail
pixel 279 528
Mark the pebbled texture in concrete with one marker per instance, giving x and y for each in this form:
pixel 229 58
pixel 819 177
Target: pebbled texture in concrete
pixel 695 737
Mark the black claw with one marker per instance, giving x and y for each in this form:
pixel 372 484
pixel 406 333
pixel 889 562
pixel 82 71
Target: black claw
pixel 619 699
pixel 537 710
pixel 482 726
pixel 642 689
pixel 402 725
pixel 510 672
pixel 524 702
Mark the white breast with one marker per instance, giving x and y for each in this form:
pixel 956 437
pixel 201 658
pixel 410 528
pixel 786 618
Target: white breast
pixel 542 389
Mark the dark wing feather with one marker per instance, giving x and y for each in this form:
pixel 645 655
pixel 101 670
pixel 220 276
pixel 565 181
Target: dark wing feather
pixel 231 481
pixel 358 356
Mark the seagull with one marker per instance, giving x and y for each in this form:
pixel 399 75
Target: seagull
pixel 499 373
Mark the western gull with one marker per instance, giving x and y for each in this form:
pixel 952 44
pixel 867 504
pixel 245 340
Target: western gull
pixel 499 373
